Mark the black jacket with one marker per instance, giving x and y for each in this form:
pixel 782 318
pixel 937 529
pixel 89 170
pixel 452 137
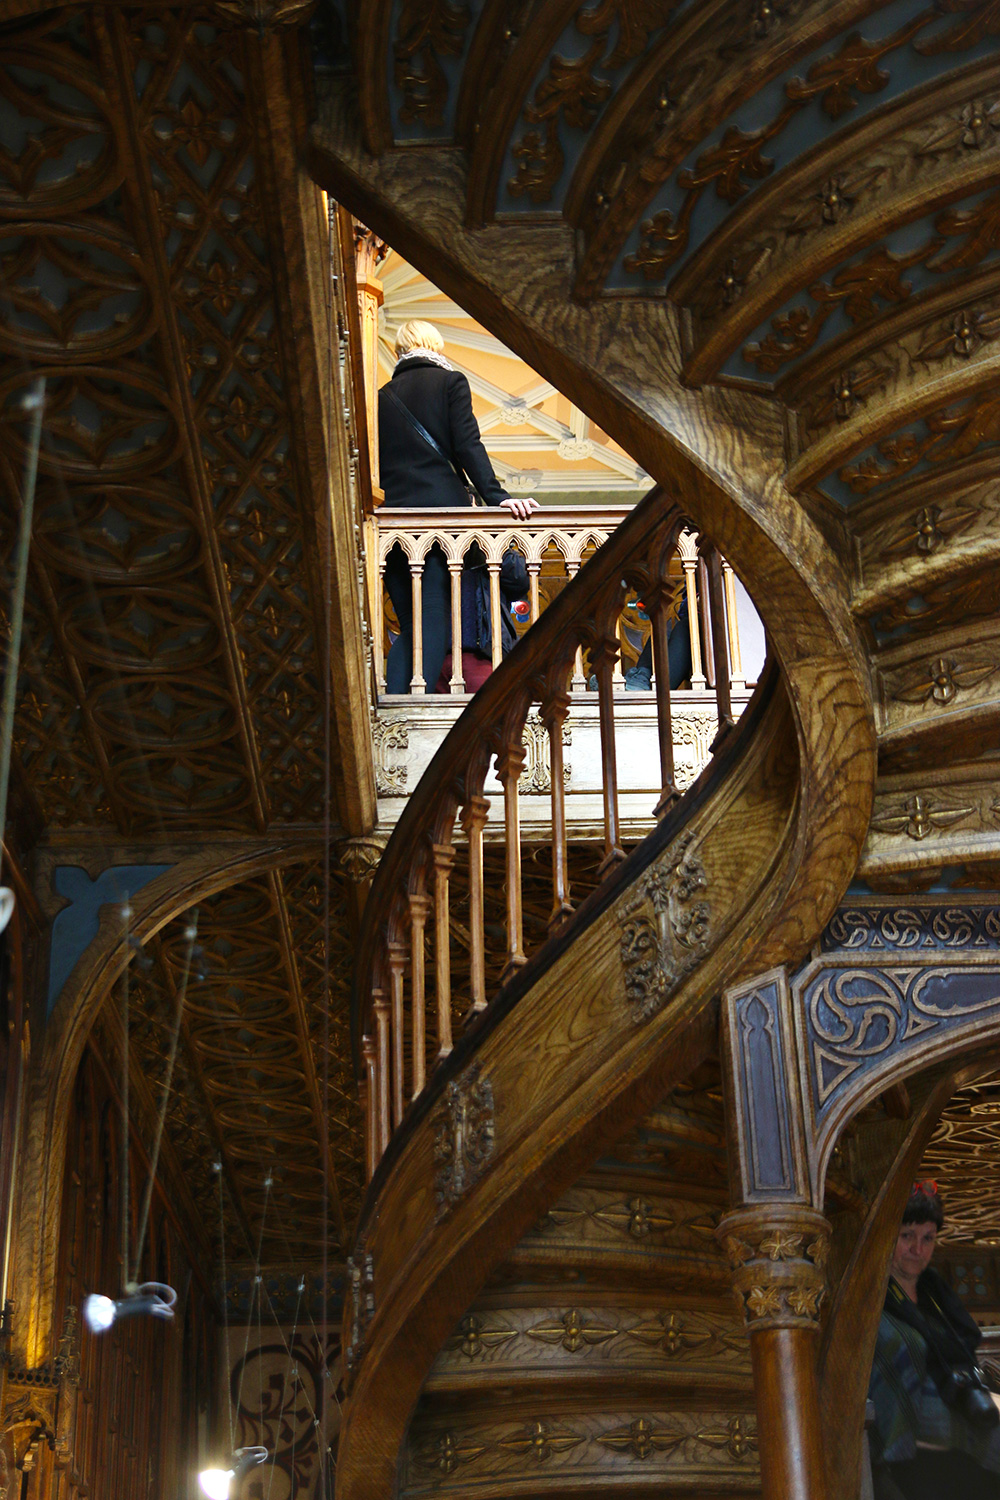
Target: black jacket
pixel 412 474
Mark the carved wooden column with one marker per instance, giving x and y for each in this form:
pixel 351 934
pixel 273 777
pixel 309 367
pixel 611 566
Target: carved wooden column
pixel 370 252
pixel 776 1239
pixel 778 1256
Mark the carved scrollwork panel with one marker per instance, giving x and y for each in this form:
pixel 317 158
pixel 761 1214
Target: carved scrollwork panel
pixel 664 927
pixel 464 1124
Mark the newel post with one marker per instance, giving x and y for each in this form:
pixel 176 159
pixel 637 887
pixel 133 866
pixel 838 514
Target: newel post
pixel 776 1240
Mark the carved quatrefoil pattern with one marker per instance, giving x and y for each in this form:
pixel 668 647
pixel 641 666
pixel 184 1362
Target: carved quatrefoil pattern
pixel 171 673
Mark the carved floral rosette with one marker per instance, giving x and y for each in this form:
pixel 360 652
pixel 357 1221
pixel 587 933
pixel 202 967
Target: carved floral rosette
pixel 777 1256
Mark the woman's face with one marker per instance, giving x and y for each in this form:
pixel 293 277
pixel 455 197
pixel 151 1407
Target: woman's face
pixel 913 1252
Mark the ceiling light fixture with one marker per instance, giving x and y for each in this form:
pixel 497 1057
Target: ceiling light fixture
pixel 221 1484
pixel 154 1298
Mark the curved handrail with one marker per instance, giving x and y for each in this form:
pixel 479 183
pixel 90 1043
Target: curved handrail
pixel 393 1024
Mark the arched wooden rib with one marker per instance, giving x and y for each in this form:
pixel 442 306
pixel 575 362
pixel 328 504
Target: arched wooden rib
pixel 936 313
pixel 910 397
pixel 702 69
pixel 372 41
pixel 488 146
pixel 498 30
pixel 830 204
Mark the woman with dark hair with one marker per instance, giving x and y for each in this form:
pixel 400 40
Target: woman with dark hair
pixel 936 1431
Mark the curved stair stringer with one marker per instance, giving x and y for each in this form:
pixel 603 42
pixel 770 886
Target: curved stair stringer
pixel 576 1048
pixel 720 455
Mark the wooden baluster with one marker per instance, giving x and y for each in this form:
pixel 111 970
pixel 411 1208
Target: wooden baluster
pixel 617 675
pixel 736 678
pixel 509 765
pixel 705 621
pixel 457 678
pixel 380 1005
pixel 579 682
pixel 494 570
pixel 661 682
pixel 474 815
pixel 720 647
pixel 417 683
pixel 533 571
pixel 602 657
pixel 397 963
pixel 420 905
pixel 370 1107
pixel 553 715
pixel 690 566
pixel 444 858
pixel 378 626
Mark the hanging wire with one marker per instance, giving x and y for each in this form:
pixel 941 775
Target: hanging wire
pixel 34 403
pixel 290 1346
pixel 327 761
pixel 190 934
pixel 258 1287
pixel 127 916
pixel 217 1167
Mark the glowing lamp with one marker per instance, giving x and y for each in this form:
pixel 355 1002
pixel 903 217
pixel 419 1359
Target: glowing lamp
pixel 220 1484
pixel 153 1299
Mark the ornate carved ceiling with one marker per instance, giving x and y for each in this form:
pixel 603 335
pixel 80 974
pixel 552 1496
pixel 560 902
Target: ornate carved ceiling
pixel 804 197
pixel 194 657
pixel 173 676
pixel 258 1055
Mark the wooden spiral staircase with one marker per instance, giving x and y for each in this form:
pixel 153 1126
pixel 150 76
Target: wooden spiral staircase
pixel 557 1213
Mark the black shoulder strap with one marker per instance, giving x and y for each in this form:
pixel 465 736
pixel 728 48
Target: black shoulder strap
pixel 421 429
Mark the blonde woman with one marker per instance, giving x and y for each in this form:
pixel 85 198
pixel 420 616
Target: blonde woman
pixel 429 451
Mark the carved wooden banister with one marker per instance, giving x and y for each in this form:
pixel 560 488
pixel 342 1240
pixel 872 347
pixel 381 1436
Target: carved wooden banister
pixel 569 533
pixel 404 1019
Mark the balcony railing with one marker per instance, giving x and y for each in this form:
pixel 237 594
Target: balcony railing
pixel 554 544
pixel 449 920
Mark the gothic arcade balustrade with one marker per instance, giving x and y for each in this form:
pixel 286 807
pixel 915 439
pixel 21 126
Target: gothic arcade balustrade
pixel 409 728
pixel 530 799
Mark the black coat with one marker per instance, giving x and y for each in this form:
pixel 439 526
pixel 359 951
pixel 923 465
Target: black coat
pixel 412 474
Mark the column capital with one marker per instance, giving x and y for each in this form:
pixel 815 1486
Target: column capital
pixel 359 857
pixel 777 1255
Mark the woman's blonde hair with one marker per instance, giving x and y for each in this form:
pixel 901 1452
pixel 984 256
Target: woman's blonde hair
pixel 418 335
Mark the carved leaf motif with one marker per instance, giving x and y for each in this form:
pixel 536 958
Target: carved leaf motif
pixel 763 1302
pixel 919 817
pixel 636 19
pixel 854 68
pixel 950 434
pixel 662 240
pixel 474 1338
pixel 963 334
pixel 572 1332
pixel 805 1300
pixel 850 389
pixel 929 529
pixel 539 1442
pixel 426 31
pixel 942 681
pixel 739 154
pixel 818 1251
pixel 977 22
pixel 738 1251
pixel 782 1246
pixel 980 229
